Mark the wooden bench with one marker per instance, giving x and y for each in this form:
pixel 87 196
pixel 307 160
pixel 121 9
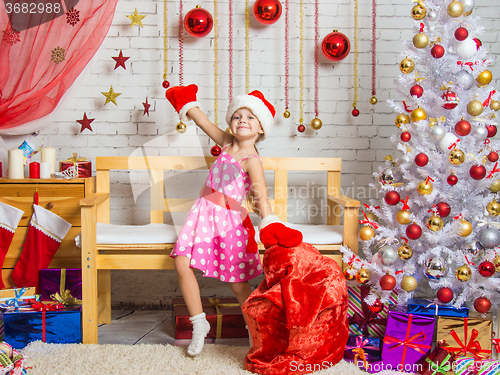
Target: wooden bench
pixel 100 256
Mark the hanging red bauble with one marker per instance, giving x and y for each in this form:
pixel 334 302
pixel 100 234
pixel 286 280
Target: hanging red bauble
pixel 421 159
pixel 492 130
pixel 452 179
pixel 387 282
pixel 216 150
pixel 445 295
pixel 493 156
pixel 165 84
pixel 267 12
pixel 450 99
pixel 486 269
pixel 198 22
pixel 463 128
pixel 443 209
pixel 355 112
pixel 461 33
pixel 477 172
pixel 482 305
pixel 335 46
pixel 478 43
pixel 405 136
pixel 301 128
pixel 392 198
pixel 413 231
pixel 417 91
pixel 376 307
pixel 437 51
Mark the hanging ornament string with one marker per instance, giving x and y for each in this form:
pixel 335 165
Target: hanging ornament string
pixel 301 72
pixel 216 64
pixel 181 44
pixel 165 83
pixel 373 99
pixel 316 122
pixel 355 111
pixel 230 51
pixel 286 114
pixel 247 47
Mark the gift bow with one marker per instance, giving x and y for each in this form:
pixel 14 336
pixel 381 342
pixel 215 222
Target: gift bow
pixel 367 221
pixel 496 342
pixel 473 346
pixel 363 321
pixel 75 159
pixel 19 295
pixel 442 367
pixel 359 352
pixel 64 295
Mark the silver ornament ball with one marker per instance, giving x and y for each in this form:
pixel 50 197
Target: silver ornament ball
pixel 466 48
pixel 435 268
pixel 489 237
pixel 468 5
pixel 387 176
pixel 388 255
pixel 476 250
pixel 438 132
pixel 480 133
pixel 464 79
pixel 405 161
pixel 432 15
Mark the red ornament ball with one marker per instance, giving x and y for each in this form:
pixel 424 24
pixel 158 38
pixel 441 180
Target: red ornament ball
pixel 377 307
pixel 387 282
pixel 493 156
pixel 478 43
pixel 450 100
pixel 355 112
pixel 301 128
pixel 477 172
pixel 392 198
pixel 437 51
pixel 216 150
pixel 482 305
pixel 463 128
pixel 267 12
pixel 443 209
pixel 492 130
pixel 405 136
pixel 486 269
pixel 452 180
pixel 335 46
pixel 461 33
pixel 421 159
pixel 413 231
pixel 445 295
pixel 417 91
pixel 198 22
pixel 165 84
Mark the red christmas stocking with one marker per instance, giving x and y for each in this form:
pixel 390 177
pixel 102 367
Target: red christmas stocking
pixel 45 233
pixel 9 220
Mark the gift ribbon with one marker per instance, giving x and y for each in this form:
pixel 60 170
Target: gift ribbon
pixel 64 296
pixel 368 317
pixel 13 303
pixel 442 367
pixel 359 349
pixel 488 101
pixel 495 170
pixel 74 160
pixel 367 221
pixel 496 342
pixel 473 346
pixel 43 307
pixel 216 304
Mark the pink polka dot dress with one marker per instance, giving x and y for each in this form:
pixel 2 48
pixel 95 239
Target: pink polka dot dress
pixel 214 237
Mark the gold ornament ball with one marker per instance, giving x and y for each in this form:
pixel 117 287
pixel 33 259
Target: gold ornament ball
pixel 286 114
pixel 316 123
pixel 403 217
pixel 435 223
pixel 402 119
pixel 406 66
pixel 495 186
pixel 372 217
pixel 493 208
pixel 405 252
pixel 463 273
pixel 348 275
pixel 475 108
pixel 181 128
pixel 424 188
pixel 421 40
pixel 373 100
pixel 495 105
pixel 409 284
pixel 363 276
pixel 366 233
pixel 418 12
pixel 455 9
pixel 496 263
pixel 465 228
pixel 418 114
pixel 456 157
pixel 484 78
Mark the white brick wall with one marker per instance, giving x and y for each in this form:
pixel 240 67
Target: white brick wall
pixel 118 130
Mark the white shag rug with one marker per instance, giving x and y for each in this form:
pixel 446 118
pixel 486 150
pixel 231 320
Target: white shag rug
pixel 147 359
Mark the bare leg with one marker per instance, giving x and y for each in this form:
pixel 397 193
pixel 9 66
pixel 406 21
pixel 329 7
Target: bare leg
pixel 241 291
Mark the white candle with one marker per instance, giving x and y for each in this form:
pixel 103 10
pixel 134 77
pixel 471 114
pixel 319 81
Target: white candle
pixel 16 164
pixel 49 155
pixel 44 169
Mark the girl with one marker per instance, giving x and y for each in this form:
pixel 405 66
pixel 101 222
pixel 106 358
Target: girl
pixel 218 237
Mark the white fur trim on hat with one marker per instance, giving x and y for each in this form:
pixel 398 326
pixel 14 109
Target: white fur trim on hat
pixel 257 107
pixel 184 110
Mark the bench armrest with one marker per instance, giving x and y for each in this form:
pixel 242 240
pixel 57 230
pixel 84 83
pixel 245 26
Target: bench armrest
pixel 350 215
pixel 94 199
pixel 344 201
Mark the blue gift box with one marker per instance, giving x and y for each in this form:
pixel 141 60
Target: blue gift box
pixel 429 308
pixel 61 327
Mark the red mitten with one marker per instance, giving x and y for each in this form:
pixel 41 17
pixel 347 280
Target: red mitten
pixel 183 98
pixel 274 232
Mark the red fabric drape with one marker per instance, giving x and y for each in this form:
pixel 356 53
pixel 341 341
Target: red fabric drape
pixel 31 83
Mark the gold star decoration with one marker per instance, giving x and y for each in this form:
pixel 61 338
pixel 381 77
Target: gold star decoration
pixel 111 96
pixel 136 18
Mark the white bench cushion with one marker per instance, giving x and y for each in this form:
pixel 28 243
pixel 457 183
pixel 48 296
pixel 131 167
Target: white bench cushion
pixel 164 233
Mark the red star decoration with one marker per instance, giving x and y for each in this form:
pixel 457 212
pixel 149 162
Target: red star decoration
pixel 85 123
pixel 146 107
pixel 120 60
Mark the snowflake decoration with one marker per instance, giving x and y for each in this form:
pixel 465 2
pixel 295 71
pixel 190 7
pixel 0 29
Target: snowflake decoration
pixel 58 55
pixel 73 16
pixel 11 35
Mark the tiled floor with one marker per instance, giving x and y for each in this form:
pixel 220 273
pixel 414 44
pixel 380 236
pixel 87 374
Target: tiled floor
pixel 131 327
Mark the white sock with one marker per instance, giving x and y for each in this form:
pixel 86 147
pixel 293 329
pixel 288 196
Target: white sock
pixel 200 330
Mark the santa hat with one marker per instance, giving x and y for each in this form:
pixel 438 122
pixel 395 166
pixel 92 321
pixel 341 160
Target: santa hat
pixel 260 107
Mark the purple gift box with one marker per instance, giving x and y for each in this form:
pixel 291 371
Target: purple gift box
pixel 61 282
pixel 408 338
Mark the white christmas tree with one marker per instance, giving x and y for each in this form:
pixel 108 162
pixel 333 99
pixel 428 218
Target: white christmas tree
pixel 437 223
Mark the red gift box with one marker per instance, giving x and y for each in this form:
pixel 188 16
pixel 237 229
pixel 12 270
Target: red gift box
pixel 223 314
pixel 83 166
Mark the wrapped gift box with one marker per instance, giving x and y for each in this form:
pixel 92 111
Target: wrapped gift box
pixel 83 166
pixel 17 297
pixel 425 307
pixel 470 337
pixel 469 365
pixel 496 333
pixel 408 339
pixel 372 346
pixel 25 325
pixel 61 285
pixel 439 361
pixel 223 314
pixel 361 320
